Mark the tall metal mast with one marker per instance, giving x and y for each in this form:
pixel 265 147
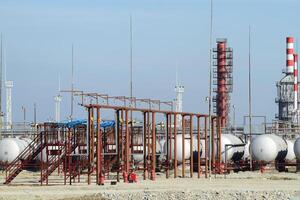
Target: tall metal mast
pixel 131 82
pixel 72 84
pixel 210 85
pixel 250 105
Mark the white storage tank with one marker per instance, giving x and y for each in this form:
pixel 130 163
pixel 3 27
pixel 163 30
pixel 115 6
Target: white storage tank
pixel 297 148
pixel 233 153
pixel 187 148
pixel 10 148
pixel 268 147
pixel 195 148
pixel 160 148
pixel 290 156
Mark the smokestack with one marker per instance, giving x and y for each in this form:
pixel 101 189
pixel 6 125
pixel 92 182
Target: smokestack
pixel 295 82
pixel 289 55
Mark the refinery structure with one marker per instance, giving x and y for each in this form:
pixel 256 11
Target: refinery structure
pixel 179 144
pixel 132 140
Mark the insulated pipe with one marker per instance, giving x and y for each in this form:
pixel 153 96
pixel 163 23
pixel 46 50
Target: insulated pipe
pixel 289 55
pixel 295 82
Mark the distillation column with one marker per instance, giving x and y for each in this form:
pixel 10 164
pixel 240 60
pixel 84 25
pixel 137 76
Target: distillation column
pixel 223 81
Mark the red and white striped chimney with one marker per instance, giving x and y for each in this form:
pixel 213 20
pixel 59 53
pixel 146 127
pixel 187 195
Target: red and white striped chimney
pixel 289 55
pixel 295 82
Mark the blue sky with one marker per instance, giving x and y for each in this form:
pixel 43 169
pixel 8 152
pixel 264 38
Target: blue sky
pixel 39 34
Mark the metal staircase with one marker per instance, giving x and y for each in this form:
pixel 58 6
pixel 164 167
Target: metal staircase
pixel 24 158
pixel 54 162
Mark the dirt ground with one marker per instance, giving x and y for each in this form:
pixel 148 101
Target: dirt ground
pixel 242 185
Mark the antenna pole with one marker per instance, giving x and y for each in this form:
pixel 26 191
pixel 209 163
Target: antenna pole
pixel 250 105
pixel 72 84
pixel 210 86
pixel 131 70
pixel 58 83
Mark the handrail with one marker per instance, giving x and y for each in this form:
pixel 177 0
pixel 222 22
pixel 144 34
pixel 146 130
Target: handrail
pixel 29 152
pixel 24 152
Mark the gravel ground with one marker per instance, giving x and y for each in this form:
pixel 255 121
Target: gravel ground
pixel 243 185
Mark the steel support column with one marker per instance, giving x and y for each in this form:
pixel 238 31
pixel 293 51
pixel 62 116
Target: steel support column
pixel 199 147
pixel 191 147
pixel 145 145
pixel 99 175
pixel 206 146
pixel 175 146
pixel 153 175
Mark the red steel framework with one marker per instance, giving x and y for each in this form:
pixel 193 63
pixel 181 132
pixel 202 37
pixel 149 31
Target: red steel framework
pixel 223 80
pixel 105 152
pixel 125 147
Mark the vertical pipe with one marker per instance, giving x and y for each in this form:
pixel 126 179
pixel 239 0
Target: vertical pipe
pixel 98 150
pixel 175 146
pixel 191 147
pixel 167 142
pixel 170 140
pixel 65 146
pixel 183 146
pixel 118 143
pixel 126 143
pixel 213 145
pixel 69 156
pixel 122 141
pixel 145 146
pixel 198 146
pixel 42 167
pixel 149 144
pixel 47 158
pixel 91 145
pixel 153 147
pixel 206 146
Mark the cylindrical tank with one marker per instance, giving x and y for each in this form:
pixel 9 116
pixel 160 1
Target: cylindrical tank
pixel 179 145
pixel 10 148
pixel 297 148
pixel 233 153
pixel 195 148
pixel 160 145
pixel 268 147
pixel 290 154
pixel 202 148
